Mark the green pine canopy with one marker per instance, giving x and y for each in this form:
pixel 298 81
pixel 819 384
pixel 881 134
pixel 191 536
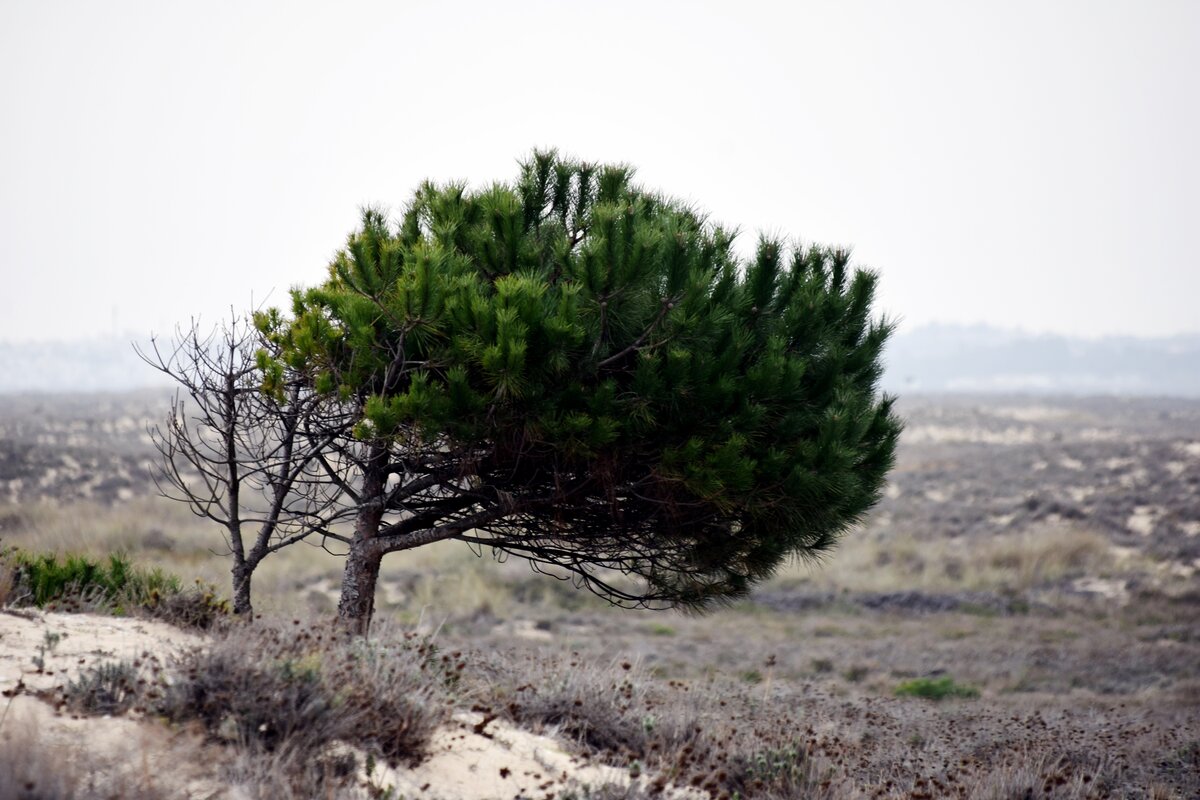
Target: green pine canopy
pixel 583 373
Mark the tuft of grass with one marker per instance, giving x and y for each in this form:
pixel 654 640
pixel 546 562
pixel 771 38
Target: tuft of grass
pixel 935 689
pixel 856 673
pixel 110 688
pixel 198 607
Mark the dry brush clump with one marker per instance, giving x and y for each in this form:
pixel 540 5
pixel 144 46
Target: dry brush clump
pixel 681 738
pixel 296 710
pixel 276 689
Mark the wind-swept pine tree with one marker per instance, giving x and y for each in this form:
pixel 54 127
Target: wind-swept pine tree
pixel 583 373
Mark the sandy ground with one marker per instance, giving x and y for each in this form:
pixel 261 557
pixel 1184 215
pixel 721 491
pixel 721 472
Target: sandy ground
pixel 472 758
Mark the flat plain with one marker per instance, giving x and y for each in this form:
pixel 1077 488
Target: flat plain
pixel 1018 617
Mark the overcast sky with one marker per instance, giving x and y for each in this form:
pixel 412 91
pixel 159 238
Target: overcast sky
pixel 1031 165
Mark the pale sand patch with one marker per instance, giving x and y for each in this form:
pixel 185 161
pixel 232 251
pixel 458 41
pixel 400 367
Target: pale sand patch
pixel 327 587
pixel 1176 468
pixel 961 434
pixel 1110 589
pixel 1100 435
pixel 936 496
pixel 1177 569
pixel 1120 553
pixel 1070 463
pixel 69 643
pixel 497 761
pixel 472 761
pixel 1190 448
pixel 1034 413
pixel 1079 494
pixel 1190 528
pixel 1129 480
pixel 120 750
pixel 1143 519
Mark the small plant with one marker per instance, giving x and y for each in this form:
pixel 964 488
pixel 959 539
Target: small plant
pixel 935 689
pixel 110 688
pixel 50 640
pixel 198 607
pixel 787 763
pixel 856 673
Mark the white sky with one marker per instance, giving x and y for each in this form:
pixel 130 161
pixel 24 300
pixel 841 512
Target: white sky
pixel 1024 164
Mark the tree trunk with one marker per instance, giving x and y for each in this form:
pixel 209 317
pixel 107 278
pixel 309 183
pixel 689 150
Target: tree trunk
pixel 357 603
pixel 241 590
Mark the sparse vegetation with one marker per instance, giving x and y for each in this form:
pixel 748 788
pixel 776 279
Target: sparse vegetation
pixel 1079 635
pixel 936 689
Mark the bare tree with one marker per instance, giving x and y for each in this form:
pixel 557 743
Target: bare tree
pixel 256 462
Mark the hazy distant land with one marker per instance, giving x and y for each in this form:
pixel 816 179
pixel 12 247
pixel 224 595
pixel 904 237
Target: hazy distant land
pixel 929 359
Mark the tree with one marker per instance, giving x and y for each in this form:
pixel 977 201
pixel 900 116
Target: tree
pixel 581 372
pixel 246 459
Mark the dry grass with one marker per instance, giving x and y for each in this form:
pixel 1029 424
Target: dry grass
pixel 730 740
pixel 872 561
pixel 621 715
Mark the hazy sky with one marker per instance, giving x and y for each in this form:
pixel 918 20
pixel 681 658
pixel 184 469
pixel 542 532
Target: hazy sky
pixel 1031 165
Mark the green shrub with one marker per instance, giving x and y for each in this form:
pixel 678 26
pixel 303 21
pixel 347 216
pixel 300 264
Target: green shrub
pixel 935 688
pixel 46 579
pixel 113 585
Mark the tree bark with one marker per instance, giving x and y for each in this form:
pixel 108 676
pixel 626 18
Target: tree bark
pixel 241 590
pixel 357 604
